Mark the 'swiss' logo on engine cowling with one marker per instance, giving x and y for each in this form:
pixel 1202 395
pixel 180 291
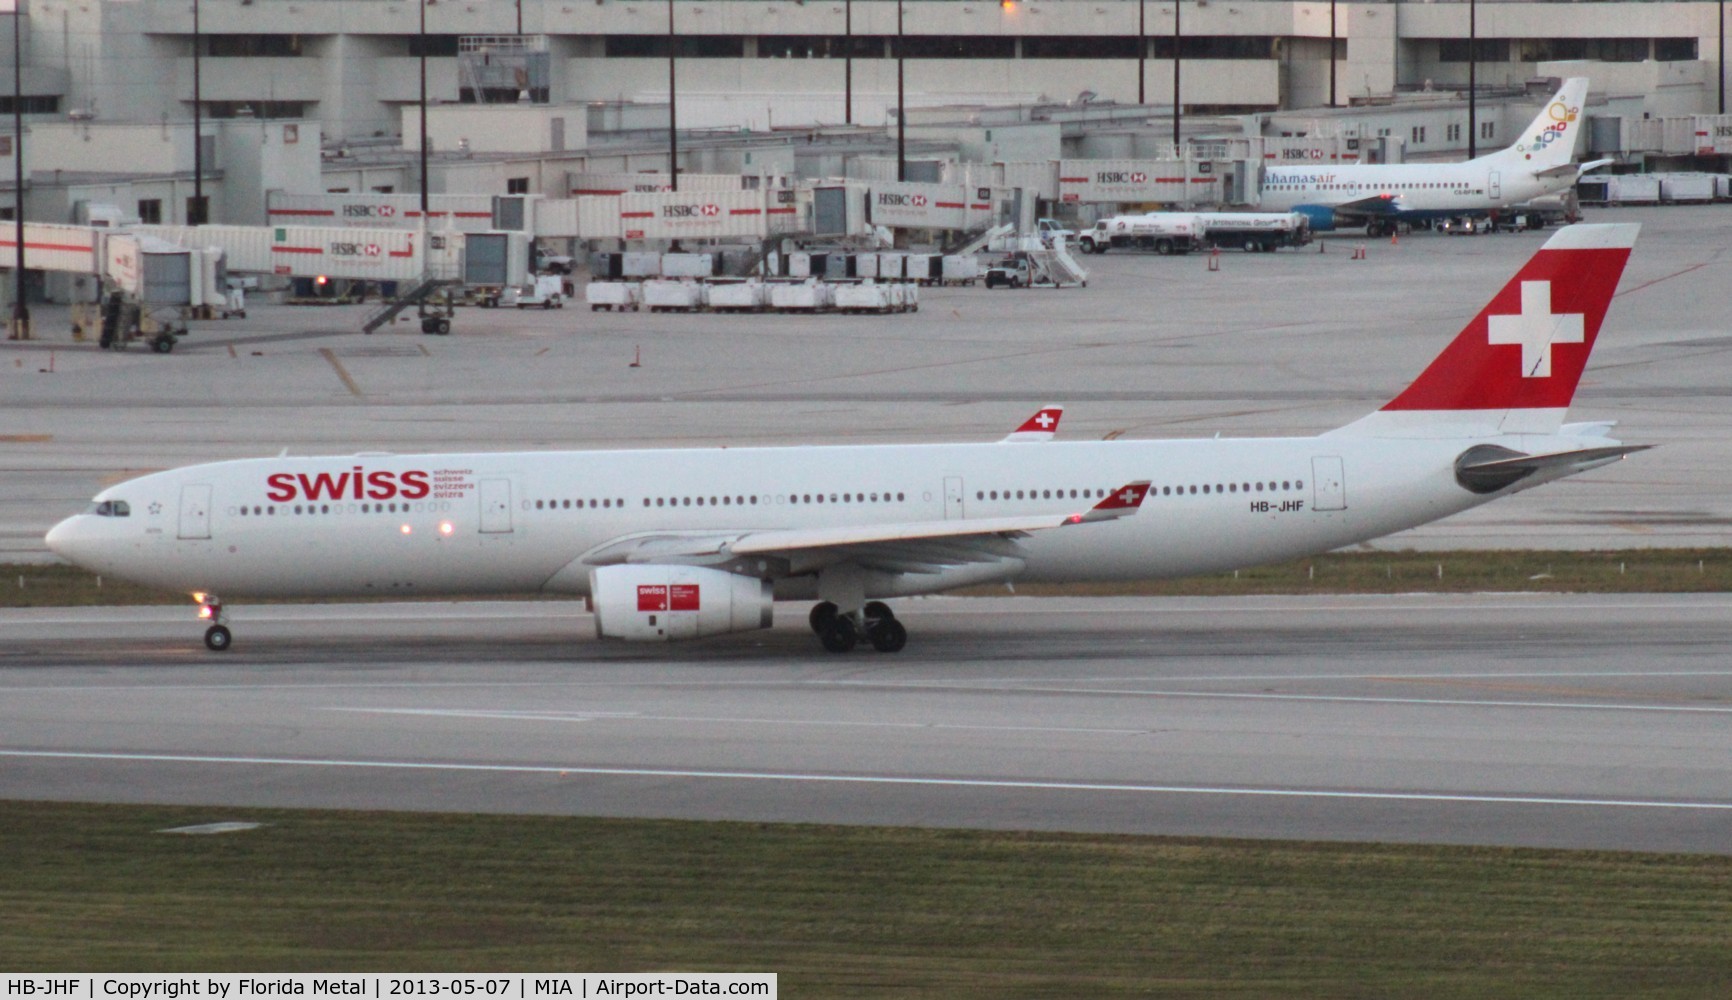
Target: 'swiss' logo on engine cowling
pixel 355 484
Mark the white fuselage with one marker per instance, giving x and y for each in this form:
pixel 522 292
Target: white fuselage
pixel 523 521
pixel 1479 185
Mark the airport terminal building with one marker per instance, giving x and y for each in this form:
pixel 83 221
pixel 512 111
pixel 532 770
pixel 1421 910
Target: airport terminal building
pixel 526 92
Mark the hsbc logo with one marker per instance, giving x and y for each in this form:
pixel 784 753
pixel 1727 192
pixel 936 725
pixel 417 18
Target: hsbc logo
pixel 902 200
pixel 690 211
pixel 1302 154
pixel 354 249
pixel 369 211
pixel 1121 177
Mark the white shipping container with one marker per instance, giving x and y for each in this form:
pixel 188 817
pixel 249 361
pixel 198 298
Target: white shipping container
pixel 961 269
pixel 741 296
pixel 1686 187
pixel 617 296
pixel 864 296
pixel 463 212
pixel 688 265
pixel 50 246
pixel 659 295
pixel 866 265
pixel 810 295
pixel 1632 189
pixel 799 264
pixel 692 215
pixel 639 264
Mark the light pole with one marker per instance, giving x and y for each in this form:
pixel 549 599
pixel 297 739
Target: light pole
pixel 673 116
pixel 20 311
pixel 1142 48
pixel 901 111
pixel 1176 61
pixel 1722 58
pixel 422 38
pixel 1332 53
pixel 848 61
pixel 1472 78
pixel 197 215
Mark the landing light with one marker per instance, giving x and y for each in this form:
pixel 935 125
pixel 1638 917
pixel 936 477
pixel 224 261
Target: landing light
pixel 445 528
pixel 406 529
pixel 198 595
pixel 205 611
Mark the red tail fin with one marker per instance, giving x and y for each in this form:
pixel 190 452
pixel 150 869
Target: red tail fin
pixel 1527 348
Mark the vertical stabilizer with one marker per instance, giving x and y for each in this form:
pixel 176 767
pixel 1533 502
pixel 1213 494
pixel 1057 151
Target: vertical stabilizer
pixel 1514 368
pixel 1550 139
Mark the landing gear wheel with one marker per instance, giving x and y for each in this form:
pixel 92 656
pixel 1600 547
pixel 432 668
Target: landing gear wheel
pixel 442 327
pixel 876 610
pixel 841 636
pixel 162 344
pixel 822 617
pixel 887 636
pixel 217 638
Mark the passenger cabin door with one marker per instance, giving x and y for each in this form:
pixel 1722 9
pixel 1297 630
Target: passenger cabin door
pixel 1328 483
pixel 952 498
pixel 495 506
pixel 195 510
pixel 1494 185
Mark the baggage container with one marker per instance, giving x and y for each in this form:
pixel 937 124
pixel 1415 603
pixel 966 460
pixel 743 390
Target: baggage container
pixel 1632 189
pixel 668 295
pixel 748 295
pixel 640 264
pixel 802 296
pixel 606 266
pixel 1675 188
pixel 798 265
pixel 613 296
pixel 866 265
pixel 960 270
pixel 691 265
pixel 863 297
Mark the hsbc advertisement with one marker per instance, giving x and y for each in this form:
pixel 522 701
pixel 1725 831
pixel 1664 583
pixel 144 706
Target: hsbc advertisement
pixel 463 212
pixel 922 206
pixel 668 215
pixel 345 253
pixel 1134 181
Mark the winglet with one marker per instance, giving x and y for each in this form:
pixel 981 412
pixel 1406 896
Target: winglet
pixel 1040 427
pixel 1127 499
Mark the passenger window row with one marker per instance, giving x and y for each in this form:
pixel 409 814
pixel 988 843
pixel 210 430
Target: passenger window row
pixel 270 510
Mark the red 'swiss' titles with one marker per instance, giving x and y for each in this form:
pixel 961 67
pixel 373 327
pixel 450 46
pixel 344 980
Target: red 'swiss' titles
pixel 356 484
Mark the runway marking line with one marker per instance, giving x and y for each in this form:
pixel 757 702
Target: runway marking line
pixel 532 715
pixel 856 779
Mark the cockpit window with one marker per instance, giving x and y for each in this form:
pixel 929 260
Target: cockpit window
pixel 111 508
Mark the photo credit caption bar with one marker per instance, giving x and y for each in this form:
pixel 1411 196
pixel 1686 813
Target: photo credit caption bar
pixel 506 986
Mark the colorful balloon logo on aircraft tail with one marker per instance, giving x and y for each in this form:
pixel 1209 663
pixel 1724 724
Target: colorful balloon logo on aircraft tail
pixel 1561 116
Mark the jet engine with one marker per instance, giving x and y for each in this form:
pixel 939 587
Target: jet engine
pixel 661 603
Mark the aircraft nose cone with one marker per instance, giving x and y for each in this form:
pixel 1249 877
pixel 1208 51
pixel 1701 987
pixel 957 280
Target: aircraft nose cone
pixel 62 539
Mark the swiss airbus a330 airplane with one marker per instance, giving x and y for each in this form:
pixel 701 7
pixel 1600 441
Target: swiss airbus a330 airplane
pixel 1377 195
pixel 675 544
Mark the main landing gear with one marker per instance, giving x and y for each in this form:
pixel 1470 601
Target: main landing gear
pixel 875 623
pixel 216 638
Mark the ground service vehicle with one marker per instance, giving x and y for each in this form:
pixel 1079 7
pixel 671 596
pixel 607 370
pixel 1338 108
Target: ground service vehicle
pixel 1162 232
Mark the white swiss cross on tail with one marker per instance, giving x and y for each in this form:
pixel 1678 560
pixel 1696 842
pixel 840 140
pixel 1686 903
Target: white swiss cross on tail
pixel 1040 427
pixel 1536 329
pixel 1515 366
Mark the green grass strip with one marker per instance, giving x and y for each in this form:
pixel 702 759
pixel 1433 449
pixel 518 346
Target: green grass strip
pixel 1633 571
pixel 852 911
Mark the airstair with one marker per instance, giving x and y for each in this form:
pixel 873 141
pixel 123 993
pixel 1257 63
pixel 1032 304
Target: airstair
pixel 417 296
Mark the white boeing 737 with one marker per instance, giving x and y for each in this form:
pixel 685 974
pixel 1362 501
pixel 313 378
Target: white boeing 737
pixel 1377 195
pixel 671 544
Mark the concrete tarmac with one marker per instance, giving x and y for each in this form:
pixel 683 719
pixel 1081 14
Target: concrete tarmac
pixel 1290 343
pixel 1555 721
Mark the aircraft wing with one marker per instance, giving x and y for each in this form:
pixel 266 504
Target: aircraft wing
pixel 1377 204
pixel 903 547
pixel 1573 169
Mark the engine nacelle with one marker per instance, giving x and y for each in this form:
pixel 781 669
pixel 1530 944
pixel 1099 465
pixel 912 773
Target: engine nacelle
pixel 659 603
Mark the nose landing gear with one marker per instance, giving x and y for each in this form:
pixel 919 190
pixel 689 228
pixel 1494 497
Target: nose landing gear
pixel 216 638
pixel 840 632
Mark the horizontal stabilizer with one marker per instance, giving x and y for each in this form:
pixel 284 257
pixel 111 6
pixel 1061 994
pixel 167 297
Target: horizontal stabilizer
pixel 1488 468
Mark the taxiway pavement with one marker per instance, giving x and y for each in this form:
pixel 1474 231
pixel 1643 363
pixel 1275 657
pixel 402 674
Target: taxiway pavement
pixel 1558 721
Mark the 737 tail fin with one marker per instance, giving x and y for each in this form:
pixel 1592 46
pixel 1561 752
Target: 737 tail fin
pixel 1550 139
pixel 1514 368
